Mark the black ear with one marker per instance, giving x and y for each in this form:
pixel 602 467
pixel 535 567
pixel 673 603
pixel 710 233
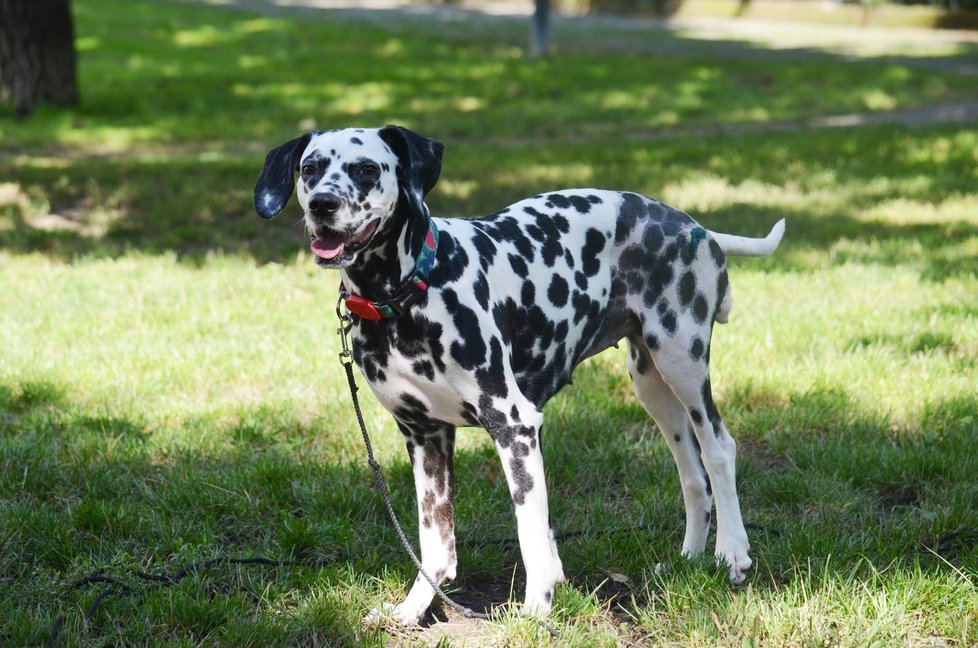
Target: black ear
pixel 277 178
pixel 419 164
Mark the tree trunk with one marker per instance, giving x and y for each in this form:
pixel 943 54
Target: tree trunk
pixel 37 54
pixel 540 33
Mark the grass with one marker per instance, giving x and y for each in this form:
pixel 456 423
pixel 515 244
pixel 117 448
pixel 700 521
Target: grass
pixel 169 392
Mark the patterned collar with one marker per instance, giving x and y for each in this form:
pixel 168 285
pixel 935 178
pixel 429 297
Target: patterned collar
pixel 412 289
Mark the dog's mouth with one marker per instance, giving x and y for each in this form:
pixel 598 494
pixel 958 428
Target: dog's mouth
pixel 337 248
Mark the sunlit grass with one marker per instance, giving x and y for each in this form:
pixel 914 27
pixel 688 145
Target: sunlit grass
pixel 169 73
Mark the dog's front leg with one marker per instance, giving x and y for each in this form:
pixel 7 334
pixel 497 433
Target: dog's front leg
pixel 432 450
pixel 518 442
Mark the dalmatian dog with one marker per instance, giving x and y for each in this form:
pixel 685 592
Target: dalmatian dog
pixel 479 322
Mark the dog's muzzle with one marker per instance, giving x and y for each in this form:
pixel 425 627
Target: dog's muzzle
pixel 333 248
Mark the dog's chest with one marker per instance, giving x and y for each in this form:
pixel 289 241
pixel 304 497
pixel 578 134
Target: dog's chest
pixel 406 367
pixel 514 303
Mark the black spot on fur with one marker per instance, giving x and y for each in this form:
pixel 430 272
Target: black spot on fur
pixel 668 322
pixel 711 409
pixel 697 452
pixel 687 288
pixel 494 421
pixel 481 289
pixel 700 308
pixel 631 209
pixel 594 243
pixel 559 200
pixel 451 262
pixel 558 291
pixel 411 413
pixel 581 303
pixel 550 251
pixel 424 368
pixel 581 204
pixel 723 283
pixel 569 259
pixel 470 352
pixel 641 358
pixel 492 377
pixel 371 370
pixel 581 280
pixel 633 257
pixel 519 266
pixel 509 229
pixel 648 297
pixel 486 249
pixel 716 253
pixel 652 238
pixel 560 332
pixel 469 413
pixel 522 478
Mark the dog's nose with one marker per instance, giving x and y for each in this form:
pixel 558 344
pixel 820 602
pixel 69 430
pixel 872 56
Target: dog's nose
pixel 324 204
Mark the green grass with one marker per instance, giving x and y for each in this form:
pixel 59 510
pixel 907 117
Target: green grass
pixel 170 393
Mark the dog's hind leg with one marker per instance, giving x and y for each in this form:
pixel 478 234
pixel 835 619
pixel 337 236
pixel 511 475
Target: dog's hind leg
pixel 673 421
pixel 517 437
pixel 432 449
pixel 682 361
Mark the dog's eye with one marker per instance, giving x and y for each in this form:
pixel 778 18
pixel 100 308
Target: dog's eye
pixel 369 169
pixel 308 169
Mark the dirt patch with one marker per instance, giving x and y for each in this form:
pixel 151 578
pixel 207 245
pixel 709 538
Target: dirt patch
pixel 443 623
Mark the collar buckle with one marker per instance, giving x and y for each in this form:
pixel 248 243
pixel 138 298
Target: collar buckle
pixel 363 307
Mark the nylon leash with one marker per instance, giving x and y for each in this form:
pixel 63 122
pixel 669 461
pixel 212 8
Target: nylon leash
pixel 346 359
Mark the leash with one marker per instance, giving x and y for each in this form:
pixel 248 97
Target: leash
pixel 346 359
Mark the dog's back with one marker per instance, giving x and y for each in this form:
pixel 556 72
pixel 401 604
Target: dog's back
pixel 559 277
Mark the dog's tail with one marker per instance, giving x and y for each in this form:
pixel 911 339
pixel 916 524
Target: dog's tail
pixel 744 246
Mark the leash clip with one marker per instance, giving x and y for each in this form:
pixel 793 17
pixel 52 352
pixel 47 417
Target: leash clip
pixel 346 323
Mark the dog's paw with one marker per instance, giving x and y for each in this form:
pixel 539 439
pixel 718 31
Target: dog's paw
pixel 397 614
pixel 540 587
pixel 538 603
pixel 737 560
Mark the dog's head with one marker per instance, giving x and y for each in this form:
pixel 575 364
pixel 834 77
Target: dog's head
pixel 353 185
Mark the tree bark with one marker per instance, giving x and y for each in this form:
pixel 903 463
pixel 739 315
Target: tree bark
pixel 37 54
pixel 540 32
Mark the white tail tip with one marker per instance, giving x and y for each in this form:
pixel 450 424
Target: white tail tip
pixel 744 246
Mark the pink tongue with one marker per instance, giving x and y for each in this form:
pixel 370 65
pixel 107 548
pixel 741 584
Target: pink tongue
pixel 327 248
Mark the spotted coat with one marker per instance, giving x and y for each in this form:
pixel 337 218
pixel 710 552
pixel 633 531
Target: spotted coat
pixel 515 301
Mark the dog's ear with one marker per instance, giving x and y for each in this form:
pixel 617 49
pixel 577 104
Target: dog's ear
pixel 277 178
pixel 419 161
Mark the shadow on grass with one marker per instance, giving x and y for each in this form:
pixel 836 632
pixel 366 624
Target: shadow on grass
pixel 821 481
pixel 875 207
pixel 203 91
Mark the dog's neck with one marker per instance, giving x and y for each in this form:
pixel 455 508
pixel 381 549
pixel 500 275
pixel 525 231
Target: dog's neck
pixel 383 267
